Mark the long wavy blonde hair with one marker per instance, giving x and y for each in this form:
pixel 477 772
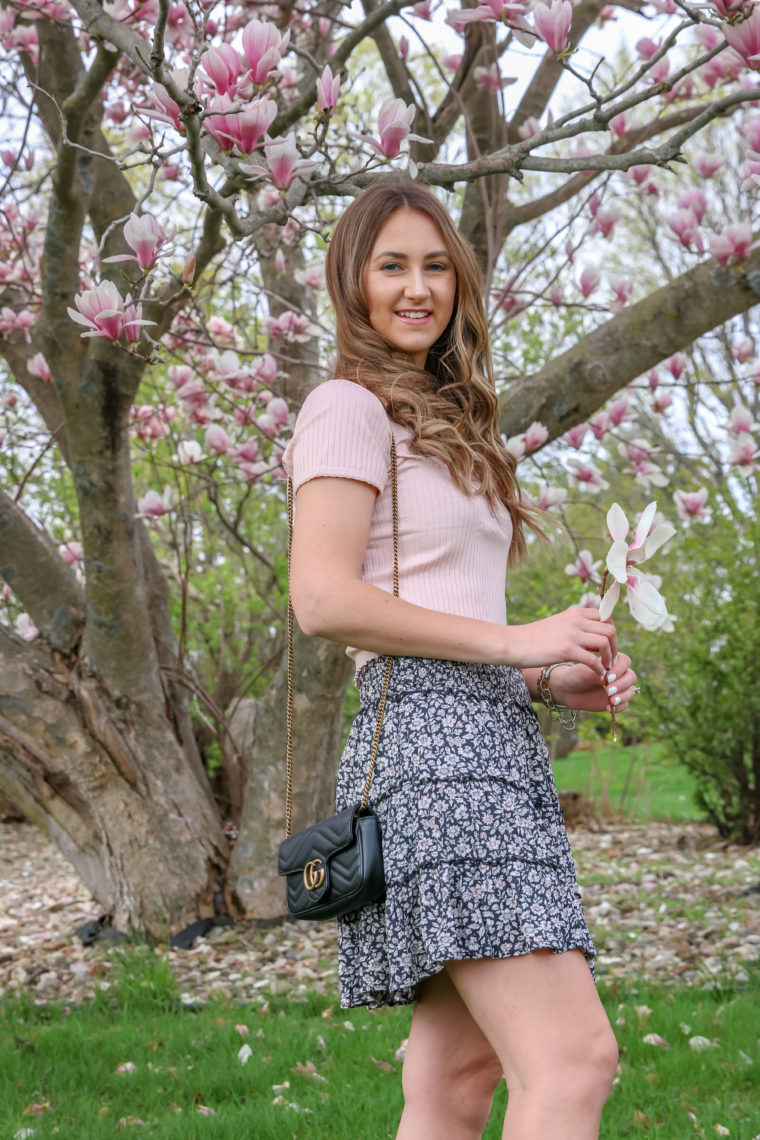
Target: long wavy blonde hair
pixel 451 403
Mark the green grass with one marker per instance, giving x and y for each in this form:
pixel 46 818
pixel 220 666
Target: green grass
pixel 634 782
pixel 67 1060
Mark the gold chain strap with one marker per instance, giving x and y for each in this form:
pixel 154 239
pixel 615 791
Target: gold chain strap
pixel 388 664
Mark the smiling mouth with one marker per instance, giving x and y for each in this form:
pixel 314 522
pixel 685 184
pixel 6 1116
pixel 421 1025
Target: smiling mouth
pixel 414 314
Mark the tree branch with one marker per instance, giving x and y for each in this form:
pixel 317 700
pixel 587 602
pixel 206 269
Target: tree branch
pixel 39 577
pixel 572 386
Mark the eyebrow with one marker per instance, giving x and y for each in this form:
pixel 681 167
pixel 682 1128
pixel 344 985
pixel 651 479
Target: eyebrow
pixel 405 256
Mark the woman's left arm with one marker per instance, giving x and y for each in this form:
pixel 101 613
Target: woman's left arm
pixel 579 687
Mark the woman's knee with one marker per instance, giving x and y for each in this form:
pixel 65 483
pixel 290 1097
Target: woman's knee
pixel 459 1085
pixel 582 1072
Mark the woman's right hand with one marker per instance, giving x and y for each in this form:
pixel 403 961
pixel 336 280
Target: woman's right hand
pixel 575 634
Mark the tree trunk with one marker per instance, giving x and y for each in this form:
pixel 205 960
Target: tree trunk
pixel 322 671
pixel 106 778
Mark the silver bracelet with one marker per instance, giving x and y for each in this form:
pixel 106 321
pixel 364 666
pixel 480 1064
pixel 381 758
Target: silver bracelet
pixel 545 694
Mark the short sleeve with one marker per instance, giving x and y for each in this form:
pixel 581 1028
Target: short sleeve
pixel 342 431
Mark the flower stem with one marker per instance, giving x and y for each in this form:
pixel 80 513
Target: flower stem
pixel 612 711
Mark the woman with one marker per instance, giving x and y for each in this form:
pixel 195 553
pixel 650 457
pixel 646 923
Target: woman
pixel 482 926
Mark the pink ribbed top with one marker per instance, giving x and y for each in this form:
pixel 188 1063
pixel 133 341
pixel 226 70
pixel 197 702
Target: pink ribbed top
pixel 452 547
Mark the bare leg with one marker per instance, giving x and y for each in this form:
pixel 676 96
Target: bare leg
pixel 450 1070
pixel 544 1020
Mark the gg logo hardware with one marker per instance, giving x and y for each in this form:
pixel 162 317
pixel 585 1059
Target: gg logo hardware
pixel 313 875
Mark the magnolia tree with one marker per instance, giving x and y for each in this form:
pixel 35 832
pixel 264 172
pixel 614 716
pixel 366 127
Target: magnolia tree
pixel 172 172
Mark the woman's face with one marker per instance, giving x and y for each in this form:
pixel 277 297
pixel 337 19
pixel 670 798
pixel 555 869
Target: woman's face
pixel 410 283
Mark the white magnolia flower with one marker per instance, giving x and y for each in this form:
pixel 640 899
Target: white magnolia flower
pixel 646 603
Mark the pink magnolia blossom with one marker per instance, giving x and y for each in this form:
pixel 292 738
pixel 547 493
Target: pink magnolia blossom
pixel 285 163
pixel 394 122
pixel 584 567
pixel 690 505
pixel 653 379
pixel 25 628
pixel 640 174
pixel 585 475
pixel 403 48
pixel 605 222
pixel 424 10
pixel 744 349
pixel 180 374
pixel 744 38
pixel 105 312
pixel 695 201
pixel 741 420
pixel 708 164
pixel 163 108
pixel 491 79
pixel 246 452
pixel 677 365
pixel 660 403
pixel 548 497
pixel 216 439
pixel 328 89
pixel 241 130
pixel 743 453
pixel 189 452
pixel 313 276
pixel 647 48
pixel 223 331
pixel 152 505
pixel 491 11
pixel 452 62
pixel 618 411
pixel 622 289
pixel 72 552
pixel 515 445
pixel 648 475
pixel 267 424
pixel 264 47
pixel 145 236
pixel 529 129
pixel 575 436
pixel 553 24
pixel 733 244
pixel 751 133
pixel 278 409
pixel 223 66
pixel 619 125
pixel 685 226
pixel 600 425
pixel 589 280
pixel 709 36
pixel 556 296
pixel 292 327
pixel 535 436
pixel 265 369
pixel 12 321
pixel 658 71
pixel 646 604
pixel 40 368
pixel 727 8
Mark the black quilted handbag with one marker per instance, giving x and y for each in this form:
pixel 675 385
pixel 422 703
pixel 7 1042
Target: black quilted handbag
pixel 336 865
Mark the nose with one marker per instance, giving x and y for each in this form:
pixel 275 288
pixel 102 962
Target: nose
pixel 416 285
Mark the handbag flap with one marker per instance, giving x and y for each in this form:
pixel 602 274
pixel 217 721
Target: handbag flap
pixel 320 841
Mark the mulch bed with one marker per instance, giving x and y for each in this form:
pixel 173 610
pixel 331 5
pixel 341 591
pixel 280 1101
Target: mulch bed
pixel 664 902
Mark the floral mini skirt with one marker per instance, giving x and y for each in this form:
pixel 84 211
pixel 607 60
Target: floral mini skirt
pixel 477 859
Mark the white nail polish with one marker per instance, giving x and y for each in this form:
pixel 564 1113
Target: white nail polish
pixel 612 690
pixel 614 659
pixel 612 677
pixel 616 700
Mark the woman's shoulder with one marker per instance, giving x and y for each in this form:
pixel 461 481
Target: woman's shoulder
pixel 344 397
